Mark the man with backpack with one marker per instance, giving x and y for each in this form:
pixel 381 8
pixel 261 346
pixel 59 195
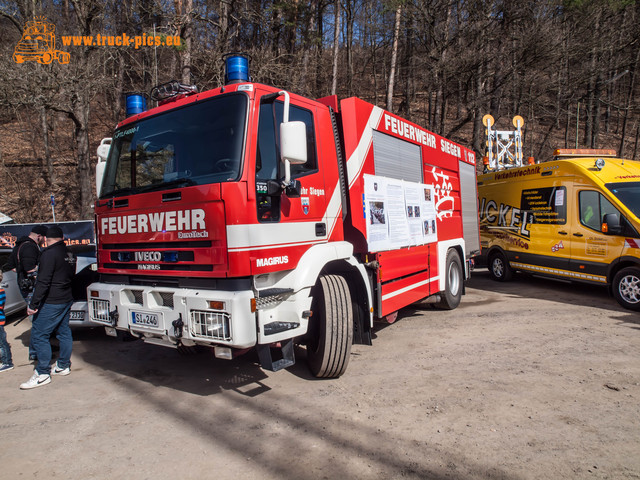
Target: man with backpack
pixel 24 260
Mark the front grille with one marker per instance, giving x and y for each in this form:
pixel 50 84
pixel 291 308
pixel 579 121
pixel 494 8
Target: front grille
pixel 212 325
pixel 100 311
pixel 137 296
pixel 167 299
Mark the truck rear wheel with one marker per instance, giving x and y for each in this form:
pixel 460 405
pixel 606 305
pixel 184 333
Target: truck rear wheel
pixel 499 267
pixel 453 282
pixel 331 328
pixel 626 288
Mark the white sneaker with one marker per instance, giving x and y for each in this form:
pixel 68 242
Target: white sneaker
pixel 5 368
pixel 35 381
pixel 56 370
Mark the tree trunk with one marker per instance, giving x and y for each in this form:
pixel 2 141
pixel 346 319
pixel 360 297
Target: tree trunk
pixel 394 55
pixel 629 102
pixel 184 9
pixel 349 39
pixel 336 45
pixel 80 118
pixel 48 164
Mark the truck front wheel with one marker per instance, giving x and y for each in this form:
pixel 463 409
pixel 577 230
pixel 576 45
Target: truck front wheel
pixel 626 288
pixel 331 328
pixel 499 267
pixel 453 282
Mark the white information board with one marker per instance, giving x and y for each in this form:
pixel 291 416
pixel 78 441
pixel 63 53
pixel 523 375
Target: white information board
pixel 398 213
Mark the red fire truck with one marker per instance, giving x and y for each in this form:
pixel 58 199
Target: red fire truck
pixel 247 216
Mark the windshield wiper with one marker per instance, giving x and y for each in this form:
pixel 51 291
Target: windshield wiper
pixel 120 192
pixel 178 182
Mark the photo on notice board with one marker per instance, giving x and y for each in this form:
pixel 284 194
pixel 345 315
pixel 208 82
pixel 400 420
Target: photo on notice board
pixel 377 213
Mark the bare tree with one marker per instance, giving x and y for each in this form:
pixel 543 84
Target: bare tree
pixel 394 56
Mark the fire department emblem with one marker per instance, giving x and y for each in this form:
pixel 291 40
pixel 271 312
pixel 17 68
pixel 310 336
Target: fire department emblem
pixel 305 205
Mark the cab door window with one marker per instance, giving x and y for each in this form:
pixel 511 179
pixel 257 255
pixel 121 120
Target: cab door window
pixel 268 165
pixel 593 207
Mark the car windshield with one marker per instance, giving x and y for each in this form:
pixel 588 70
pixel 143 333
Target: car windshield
pixel 195 145
pixel 628 193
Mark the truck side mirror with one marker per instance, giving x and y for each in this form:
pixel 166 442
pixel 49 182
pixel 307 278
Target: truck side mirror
pixel 293 146
pixel 611 224
pixel 103 153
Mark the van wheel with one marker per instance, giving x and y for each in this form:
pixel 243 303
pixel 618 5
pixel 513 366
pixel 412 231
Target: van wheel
pixel 499 267
pixel 626 288
pixel 453 282
pixel 331 328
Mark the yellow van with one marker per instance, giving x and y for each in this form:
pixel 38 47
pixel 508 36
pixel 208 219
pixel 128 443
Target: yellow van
pixel 574 218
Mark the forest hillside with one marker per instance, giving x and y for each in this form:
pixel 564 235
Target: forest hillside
pixel 568 67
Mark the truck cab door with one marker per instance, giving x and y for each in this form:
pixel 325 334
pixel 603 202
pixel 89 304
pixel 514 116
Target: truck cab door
pixel 306 208
pixel 591 250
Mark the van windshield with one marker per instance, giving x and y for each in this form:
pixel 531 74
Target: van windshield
pixel 198 144
pixel 628 193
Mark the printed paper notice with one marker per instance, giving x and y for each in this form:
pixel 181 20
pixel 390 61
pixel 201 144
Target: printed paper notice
pixel 428 219
pixel 415 212
pixel 376 213
pixel 397 214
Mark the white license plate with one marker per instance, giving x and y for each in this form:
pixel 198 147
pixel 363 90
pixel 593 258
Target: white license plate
pixel 144 319
pixel 77 315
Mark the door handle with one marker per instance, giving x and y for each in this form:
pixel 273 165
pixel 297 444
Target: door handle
pixel 561 232
pixel 578 235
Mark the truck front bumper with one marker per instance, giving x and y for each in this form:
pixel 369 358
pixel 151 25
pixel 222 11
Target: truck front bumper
pixel 173 316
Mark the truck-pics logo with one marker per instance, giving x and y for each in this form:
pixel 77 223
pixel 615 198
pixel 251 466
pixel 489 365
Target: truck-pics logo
pixel 38 44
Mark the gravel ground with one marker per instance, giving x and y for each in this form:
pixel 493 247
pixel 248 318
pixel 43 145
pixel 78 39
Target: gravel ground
pixel 531 379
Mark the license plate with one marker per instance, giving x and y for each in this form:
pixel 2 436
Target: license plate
pixel 144 319
pixel 77 315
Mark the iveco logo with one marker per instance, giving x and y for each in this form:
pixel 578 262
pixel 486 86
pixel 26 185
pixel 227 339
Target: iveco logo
pixel 148 256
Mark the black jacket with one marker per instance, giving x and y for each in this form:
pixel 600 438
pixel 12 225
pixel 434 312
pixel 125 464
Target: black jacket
pixel 27 249
pixel 57 268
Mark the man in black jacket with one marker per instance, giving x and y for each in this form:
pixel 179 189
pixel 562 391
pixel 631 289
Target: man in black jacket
pixel 24 260
pixel 25 256
pixel 50 307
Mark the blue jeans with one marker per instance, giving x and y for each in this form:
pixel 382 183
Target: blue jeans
pixel 51 318
pixel 5 349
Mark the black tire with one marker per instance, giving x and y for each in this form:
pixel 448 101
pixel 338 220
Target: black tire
pixel 626 288
pixel 331 328
pixel 454 280
pixel 499 267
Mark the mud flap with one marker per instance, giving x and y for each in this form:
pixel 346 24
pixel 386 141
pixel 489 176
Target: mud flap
pixel 266 358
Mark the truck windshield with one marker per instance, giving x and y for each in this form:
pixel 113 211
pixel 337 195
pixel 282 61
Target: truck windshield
pixel 628 193
pixel 195 145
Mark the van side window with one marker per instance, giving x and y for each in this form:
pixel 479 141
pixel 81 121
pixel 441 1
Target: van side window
pixel 593 207
pixel 545 205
